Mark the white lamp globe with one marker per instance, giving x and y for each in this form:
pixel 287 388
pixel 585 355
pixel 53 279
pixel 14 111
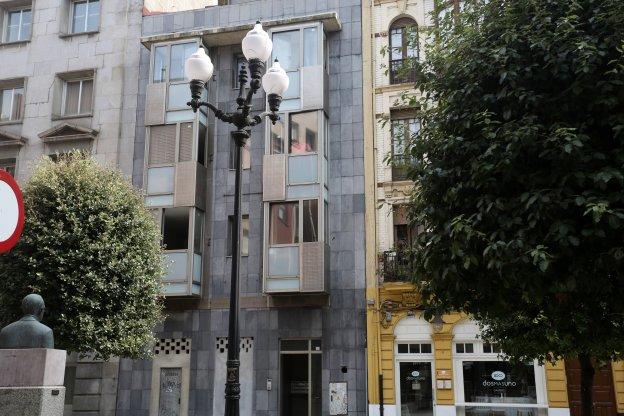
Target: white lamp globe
pixel 275 81
pixel 257 44
pixel 198 66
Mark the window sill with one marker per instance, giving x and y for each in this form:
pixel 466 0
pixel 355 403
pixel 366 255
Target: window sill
pixel 70 35
pixel 15 43
pixel 11 122
pixel 229 256
pixel 69 117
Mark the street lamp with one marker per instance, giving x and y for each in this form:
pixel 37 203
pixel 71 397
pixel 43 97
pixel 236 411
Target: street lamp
pixel 257 47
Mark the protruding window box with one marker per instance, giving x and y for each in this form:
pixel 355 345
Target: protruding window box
pixel 183 275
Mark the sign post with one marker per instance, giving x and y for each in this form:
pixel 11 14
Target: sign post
pixel 11 212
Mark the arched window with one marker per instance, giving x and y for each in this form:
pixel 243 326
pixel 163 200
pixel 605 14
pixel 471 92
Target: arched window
pixel 403 50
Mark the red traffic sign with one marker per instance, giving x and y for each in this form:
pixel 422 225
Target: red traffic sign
pixel 11 212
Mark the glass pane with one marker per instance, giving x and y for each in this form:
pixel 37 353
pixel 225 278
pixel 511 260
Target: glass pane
pixel 310 46
pixel 282 285
pixel 175 116
pixel 403 348
pixel 175 265
pixel 179 95
pixel 13 26
pixel 504 411
pixel 160 59
pixel 201 145
pixel 286 48
pixel 86 98
pixel 93 16
pixel 469 348
pixel 326 222
pixel 499 382
pixel 459 348
pixel 197 267
pixel 245 236
pixel 396 43
pixel 302 169
pixel 416 389
pixel 414 348
pixel 198 232
pixel 293 91
pixel 303 132
pixel 159 200
pixel 294 345
pixel 425 348
pixel 72 94
pixel 302 191
pixel 277 138
pixel 310 220
pixel 291 104
pixel 284 261
pixel 284 223
pixel 316 345
pixel 246 155
pixel 160 180
pixel 170 391
pixel 26 24
pixel 7 97
pixel 179 54
pixel 317 384
pixel 175 228
pixel 79 17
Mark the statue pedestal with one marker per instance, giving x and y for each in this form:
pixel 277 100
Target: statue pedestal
pixel 31 382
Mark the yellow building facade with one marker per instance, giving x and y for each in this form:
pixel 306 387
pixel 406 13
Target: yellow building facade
pixel 414 366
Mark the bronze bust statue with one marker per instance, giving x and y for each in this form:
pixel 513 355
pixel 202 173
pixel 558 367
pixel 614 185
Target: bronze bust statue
pixel 28 332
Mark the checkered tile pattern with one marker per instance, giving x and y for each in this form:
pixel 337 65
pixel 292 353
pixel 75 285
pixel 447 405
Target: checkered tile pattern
pixel 172 346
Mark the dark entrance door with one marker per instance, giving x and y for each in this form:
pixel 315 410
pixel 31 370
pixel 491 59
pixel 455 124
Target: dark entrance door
pixel 604 396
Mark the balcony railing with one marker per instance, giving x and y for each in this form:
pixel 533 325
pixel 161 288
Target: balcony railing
pixel 402 71
pixel 400 168
pixel 397 266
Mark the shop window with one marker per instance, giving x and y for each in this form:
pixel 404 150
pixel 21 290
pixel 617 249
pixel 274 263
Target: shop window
pixel 301 377
pixel 175 228
pixel 403 50
pixel 464 348
pixel 77 97
pixel 277 137
pixel 498 382
pixel 85 16
pixel 414 348
pixel 244 241
pixel 12 102
pixel 8 165
pixel 245 154
pixel 18 25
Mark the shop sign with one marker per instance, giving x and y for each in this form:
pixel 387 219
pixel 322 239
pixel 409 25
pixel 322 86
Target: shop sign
pixel 11 212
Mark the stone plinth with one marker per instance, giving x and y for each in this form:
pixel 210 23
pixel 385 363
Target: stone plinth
pixel 31 382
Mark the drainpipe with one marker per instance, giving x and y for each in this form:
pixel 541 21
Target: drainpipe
pixel 381 398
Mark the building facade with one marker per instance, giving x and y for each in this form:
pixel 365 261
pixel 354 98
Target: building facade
pixel 69 80
pixel 414 366
pixel 302 320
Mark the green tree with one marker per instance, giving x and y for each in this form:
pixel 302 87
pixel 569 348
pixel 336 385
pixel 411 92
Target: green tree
pixel 92 250
pixel 520 182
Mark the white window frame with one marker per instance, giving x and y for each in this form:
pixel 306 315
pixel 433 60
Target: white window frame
pixel 21 112
pixel 479 355
pixel 84 28
pixel 21 11
pixel 64 97
pixel 424 338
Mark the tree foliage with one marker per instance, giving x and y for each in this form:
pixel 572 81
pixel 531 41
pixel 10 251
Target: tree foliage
pixel 519 172
pixel 92 250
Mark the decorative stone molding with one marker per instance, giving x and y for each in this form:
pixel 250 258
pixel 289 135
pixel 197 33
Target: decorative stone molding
pixel 67 132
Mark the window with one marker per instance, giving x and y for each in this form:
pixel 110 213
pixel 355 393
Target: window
pixel 175 228
pixel 277 137
pixel 245 155
pixel 491 348
pixel 464 348
pixel 8 165
pixel 12 104
pixel 403 50
pixel 85 16
pixel 77 97
pixel 424 348
pixel 303 136
pixel 310 220
pixel 19 23
pixel 284 223
pixel 403 130
pixel 244 241
pixel 295 49
pixel 404 232
pixel 168 63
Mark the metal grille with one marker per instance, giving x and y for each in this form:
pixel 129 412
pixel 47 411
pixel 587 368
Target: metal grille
pixel 396 266
pixel 402 71
pixel 162 145
pixel 312 270
pixel 246 343
pixel 172 346
pixel 274 177
pixel 186 142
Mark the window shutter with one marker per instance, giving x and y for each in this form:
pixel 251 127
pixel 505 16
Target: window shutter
pixel 186 142
pixel 162 145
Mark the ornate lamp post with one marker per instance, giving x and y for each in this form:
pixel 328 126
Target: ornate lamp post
pixel 257 47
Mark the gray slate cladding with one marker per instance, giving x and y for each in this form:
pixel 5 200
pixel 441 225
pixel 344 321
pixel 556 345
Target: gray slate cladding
pixel 340 321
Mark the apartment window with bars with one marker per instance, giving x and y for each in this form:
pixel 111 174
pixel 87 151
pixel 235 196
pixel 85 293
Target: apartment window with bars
pixel 19 24
pixel 12 103
pixel 403 50
pixel 85 16
pixel 77 97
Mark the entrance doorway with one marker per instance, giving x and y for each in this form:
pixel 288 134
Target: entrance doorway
pixel 300 378
pixel 416 388
pixel 604 395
